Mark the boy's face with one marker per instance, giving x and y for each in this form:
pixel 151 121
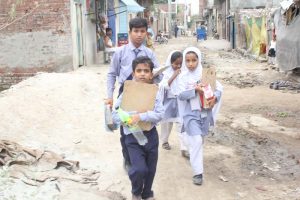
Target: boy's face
pixel 191 61
pixel 138 35
pixel 143 73
pixel 109 33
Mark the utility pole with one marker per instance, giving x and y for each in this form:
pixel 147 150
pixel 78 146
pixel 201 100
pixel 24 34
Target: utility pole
pixel 185 14
pixel 169 18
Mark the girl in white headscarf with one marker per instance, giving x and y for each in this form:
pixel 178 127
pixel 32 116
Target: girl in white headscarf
pixel 169 90
pixel 196 119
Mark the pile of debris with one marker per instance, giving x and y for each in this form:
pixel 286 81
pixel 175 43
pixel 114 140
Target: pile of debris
pixel 35 167
pixel 244 80
pixel 285 85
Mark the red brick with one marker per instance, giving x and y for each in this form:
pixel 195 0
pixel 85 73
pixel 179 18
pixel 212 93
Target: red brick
pixel 47 16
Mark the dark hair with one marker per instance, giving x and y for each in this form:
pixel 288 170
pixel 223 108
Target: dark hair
pixel 142 60
pixel 138 23
pixel 175 55
pixel 192 52
pixel 108 29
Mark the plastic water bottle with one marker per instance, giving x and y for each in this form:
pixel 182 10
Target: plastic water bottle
pixel 138 133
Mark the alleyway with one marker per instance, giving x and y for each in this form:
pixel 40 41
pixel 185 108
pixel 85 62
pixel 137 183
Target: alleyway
pixel 254 152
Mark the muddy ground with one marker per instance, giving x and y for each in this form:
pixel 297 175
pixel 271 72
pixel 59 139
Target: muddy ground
pixel 253 153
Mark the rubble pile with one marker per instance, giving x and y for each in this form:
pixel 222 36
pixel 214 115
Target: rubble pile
pixel 243 80
pixel 285 85
pixel 34 166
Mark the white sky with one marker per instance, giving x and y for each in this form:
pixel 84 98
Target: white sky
pixel 195 5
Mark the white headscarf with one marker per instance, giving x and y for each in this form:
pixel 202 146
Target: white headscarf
pixel 189 78
pixel 167 75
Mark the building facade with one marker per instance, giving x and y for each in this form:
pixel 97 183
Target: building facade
pixel 45 36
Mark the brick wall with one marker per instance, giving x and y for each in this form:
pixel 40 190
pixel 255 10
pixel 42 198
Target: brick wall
pixel 9 79
pixel 38 40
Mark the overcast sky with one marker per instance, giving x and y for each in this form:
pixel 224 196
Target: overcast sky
pixel 195 5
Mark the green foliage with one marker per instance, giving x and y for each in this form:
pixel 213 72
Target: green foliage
pixel 282 114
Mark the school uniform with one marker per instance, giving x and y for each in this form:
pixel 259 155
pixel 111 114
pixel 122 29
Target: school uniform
pixel 143 158
pixel 121 67
pixel 196 123
pixel 170 118
pixel 196 119
pixel 170 102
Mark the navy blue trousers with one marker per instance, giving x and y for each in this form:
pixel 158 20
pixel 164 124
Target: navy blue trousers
pixel 124 148
pixel 143 163
pixel 122 138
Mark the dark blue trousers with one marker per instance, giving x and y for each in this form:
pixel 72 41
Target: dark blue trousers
pixel 122 138
pixel 143 163
pixel 124 148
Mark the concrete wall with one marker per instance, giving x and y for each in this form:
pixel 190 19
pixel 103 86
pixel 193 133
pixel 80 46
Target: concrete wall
pixel 202 6
pixel 210 3
pixel 89 38
pixel 39 40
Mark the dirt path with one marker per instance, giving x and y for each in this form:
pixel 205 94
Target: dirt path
pixel 255 147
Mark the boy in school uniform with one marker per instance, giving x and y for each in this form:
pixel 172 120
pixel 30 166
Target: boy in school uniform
pixel 143 158
pixel 121 67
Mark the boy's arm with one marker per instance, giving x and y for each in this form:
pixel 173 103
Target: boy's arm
pixel 154 60
pixel 156 115
pixel 158 78
pixel 114 71
pixel 115 116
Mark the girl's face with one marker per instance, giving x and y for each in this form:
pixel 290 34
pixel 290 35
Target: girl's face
pixel 191 61
pixel 177 63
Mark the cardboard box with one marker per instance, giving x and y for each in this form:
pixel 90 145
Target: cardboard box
pixel 209 77
pixel 139 97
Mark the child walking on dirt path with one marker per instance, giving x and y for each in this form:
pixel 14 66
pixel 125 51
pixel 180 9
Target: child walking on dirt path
pixel 272 51
pixel 121 67
pixel 196 119
pixel 143 158
pixel 169 89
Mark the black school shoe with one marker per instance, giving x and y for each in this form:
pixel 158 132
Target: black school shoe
pixel 135 197
pixel 198 179
pixel 185 154
pixel 166 146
